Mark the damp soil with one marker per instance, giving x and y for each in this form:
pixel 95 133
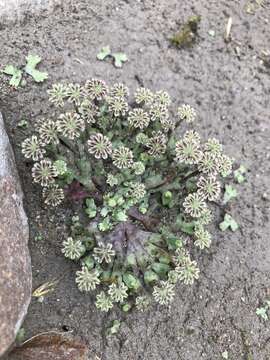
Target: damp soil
pixel 230 86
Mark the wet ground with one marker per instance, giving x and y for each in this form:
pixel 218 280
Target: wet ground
pixel 228 84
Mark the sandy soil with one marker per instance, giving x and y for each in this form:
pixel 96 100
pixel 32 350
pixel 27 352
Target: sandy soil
pixel 229 86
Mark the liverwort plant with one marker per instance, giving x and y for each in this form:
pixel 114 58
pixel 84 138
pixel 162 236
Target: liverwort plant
pixel 143 189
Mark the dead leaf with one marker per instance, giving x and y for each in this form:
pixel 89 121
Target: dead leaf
pixel 45 288
pixel 252 6
pixel 227 36
pixel 50 346
pixel 188 34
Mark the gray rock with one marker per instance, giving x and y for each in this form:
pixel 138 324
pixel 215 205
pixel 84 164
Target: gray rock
pixel 15 263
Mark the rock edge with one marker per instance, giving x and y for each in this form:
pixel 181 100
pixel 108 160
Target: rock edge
pixel 15 262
